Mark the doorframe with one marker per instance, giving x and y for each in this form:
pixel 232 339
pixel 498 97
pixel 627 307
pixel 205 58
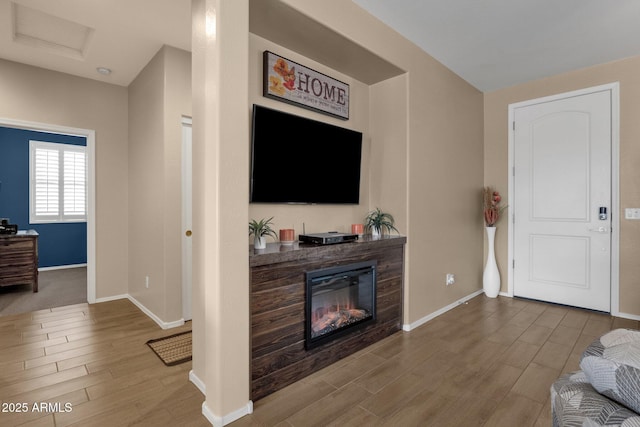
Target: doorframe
pixel 90 135
pixel 614 88
pixel 187 274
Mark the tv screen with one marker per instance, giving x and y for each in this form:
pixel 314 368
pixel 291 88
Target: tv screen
pixel 299 160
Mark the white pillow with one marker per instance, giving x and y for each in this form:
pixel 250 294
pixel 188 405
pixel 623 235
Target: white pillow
pixel 612 365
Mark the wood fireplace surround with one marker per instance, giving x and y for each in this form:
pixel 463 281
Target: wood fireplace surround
pixel 277 280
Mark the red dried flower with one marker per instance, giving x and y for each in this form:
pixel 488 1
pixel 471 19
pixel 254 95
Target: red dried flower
pixel 492 208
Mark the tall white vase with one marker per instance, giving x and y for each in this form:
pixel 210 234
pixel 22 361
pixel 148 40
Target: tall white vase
pixel 491 276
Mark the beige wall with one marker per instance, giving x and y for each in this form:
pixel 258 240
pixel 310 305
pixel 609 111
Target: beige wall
pixel 388 171
pixel 435 187
pixel 445 178
pixel 177 105
pixel 38 95
pixel 627 72
pixel 158 98
pixel 146 185
pixel 316 218
pixel 422 157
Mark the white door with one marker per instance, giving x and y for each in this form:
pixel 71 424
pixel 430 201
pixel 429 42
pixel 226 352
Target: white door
pixel 562 180
pixel 186 218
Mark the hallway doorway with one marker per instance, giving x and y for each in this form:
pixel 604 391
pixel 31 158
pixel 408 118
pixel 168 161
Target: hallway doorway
pixel 91 189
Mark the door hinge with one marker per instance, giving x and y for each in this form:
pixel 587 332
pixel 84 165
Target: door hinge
pixel 513 125
pixel 513 263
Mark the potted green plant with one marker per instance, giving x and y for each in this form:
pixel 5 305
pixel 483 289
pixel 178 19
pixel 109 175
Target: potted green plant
pixel 259 230
pixel 377 221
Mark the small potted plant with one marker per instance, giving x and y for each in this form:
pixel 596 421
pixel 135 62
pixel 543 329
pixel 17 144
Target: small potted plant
pixel 259 230
pixel 377 221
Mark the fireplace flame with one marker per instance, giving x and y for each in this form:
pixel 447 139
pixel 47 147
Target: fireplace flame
pixel 330 317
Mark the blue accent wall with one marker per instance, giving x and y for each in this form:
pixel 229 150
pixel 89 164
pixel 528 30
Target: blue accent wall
pixel 58 244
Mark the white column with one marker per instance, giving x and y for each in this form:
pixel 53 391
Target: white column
pixel 221 116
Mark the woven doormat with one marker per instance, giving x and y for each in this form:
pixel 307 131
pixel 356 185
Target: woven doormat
pixel 174 349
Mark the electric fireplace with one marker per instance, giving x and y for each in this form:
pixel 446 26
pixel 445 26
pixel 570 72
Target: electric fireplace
pixel 339 300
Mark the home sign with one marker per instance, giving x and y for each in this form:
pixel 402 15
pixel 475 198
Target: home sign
pixel 288 81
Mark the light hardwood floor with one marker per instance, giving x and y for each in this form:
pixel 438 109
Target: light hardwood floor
pixel 489 362
pixel 93 357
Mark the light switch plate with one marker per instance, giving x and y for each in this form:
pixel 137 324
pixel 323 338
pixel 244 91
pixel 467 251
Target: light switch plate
pixel 632 213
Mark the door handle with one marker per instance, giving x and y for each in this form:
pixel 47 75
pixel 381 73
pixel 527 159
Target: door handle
pixel 188 233
pixel 599 229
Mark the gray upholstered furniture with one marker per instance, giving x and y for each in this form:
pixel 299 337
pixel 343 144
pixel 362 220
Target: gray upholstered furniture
pixel 606 392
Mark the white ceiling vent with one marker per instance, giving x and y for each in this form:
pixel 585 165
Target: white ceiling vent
pixel 38 29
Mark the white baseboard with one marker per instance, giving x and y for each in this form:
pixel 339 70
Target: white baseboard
pixel 614 314
pixel 62 267
pixel 422 321
pixel 145 310
pixel 160 322
pixel 628 316
pixel 217 421
pixel 112 298
pixel 197 382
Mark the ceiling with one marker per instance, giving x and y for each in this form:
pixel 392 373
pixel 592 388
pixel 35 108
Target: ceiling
pixel 494 44
pixel 490 43
pixel 77 36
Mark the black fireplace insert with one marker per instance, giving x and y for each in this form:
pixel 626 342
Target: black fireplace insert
pixel 339 300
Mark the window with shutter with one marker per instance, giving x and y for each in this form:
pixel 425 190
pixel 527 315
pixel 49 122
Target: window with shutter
pixel 58 182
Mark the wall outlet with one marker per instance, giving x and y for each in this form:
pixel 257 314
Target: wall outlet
pixel 451 279
pixel 146 282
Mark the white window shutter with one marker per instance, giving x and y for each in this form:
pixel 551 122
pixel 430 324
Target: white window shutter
pixel 75 183
pixel 47 189
pixel 58 187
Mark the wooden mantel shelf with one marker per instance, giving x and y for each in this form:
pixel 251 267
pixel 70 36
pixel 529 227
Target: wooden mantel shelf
pixel 276 252
pixel 277 280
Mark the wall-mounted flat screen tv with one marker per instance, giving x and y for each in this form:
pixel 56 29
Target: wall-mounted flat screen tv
pixel 298 160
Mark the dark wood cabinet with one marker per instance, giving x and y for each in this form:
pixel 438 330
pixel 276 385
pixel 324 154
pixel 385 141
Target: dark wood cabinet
pixel 278 353
pixel 19 259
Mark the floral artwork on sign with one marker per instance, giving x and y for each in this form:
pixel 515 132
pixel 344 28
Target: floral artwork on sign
pixel 296 84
